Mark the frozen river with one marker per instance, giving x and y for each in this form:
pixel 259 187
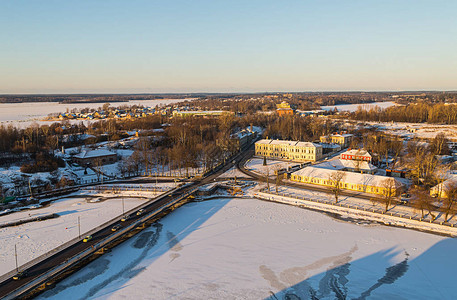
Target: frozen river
pixel 23 114
pixel 251 249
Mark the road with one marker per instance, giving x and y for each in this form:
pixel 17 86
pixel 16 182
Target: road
pixel 9 285
pixel 240 166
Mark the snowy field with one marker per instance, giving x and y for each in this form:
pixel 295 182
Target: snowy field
pixel 419 130
pixel 37 238
pixel 24 114
pixel 251 249
pixel 353 107
pixel 256 165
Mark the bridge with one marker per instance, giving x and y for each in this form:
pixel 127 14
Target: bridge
pixel 61 262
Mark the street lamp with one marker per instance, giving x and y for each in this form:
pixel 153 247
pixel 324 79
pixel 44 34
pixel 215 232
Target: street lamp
pixel 79 227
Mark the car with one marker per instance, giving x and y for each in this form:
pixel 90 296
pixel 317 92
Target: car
pixel 20 275
pixel 116 227
pixel 87 238
pixel 139 212
pixel 404 201
pixel 405 196
pixel 125 218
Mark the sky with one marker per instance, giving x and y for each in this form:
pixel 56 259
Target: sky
pixel 169 46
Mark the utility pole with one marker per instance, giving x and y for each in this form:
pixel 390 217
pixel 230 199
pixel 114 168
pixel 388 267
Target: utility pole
pixel 157 174
pixel 79 227
pixel 15 255
pixel 123 210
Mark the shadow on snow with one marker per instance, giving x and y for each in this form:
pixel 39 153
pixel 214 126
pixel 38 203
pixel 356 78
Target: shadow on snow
pixel 429 276
pixel 145 244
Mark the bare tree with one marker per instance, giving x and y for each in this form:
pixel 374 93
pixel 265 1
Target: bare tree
pixel 450 199
pixel 396 147
pixel 389 191
pixel 278 178
pixel 97 165
pixel 335 180
pixel 422 200
pixel 357 162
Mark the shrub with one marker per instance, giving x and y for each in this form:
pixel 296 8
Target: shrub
pixel 44 162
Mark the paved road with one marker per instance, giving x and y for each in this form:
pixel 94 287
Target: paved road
pixel 33 272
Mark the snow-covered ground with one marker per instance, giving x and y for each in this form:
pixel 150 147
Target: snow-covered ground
pixel 232 172
pixel 24 114
pixel 251 249
pixel 93 208
pixel 256 165
pixel 354 107
pixel 419 130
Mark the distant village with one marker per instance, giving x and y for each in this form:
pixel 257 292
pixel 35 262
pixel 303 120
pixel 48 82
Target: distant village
pixel 134 112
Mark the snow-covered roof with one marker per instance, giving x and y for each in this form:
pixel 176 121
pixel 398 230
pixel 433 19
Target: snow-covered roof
pixel 241 134
pixel 307 144
pixel 330 145
pixel 338 164
pixel 282 142
pixel 349 177
pixel 94 153
pixel 450 179
pixel 343 135
pixel 357 152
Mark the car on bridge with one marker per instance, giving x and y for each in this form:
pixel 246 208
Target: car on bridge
pixel 87 238
pixel 140 212
pixel 20 275
pixel 116 227
pixel 125 218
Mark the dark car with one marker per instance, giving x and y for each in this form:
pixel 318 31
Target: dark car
pixel 139 212
pixel 125 218
pixel 404 198
pixel 116 227
pixel 20 275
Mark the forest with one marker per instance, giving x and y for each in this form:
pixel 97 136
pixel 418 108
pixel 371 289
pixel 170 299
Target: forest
pixel 422 112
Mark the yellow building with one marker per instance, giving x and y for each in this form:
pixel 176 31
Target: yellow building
pixel 441 190
pixel 367 183
pixel 284 109
pixel 290 150
pixel 341 139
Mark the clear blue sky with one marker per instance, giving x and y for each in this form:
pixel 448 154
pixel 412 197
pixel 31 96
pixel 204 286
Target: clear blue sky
pixel 227 46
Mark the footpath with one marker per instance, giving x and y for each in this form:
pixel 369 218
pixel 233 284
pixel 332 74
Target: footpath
pixel 356 208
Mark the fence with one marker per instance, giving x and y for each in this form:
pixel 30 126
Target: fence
pixel 87 252
pixel 126 189
pixel 376 214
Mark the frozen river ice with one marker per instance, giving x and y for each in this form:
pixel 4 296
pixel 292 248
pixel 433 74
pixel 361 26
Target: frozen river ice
pixel 24 114
pixel 251 249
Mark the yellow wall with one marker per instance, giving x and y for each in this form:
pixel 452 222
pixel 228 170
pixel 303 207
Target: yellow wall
pixel 295 153
pixel 344 185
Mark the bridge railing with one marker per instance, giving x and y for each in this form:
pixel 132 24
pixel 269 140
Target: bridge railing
pixel 71 242
pixel 72 260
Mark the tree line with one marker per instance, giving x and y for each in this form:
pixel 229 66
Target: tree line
pixel 437 113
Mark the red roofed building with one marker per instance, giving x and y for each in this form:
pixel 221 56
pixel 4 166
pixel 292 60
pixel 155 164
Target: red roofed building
pixel 356 154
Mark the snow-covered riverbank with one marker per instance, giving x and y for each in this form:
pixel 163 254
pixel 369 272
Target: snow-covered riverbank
pixel 91 207
pixel 251 249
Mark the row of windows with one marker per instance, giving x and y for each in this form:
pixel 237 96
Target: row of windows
pixel 285 155
pixel 302 150
pixel 341 184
